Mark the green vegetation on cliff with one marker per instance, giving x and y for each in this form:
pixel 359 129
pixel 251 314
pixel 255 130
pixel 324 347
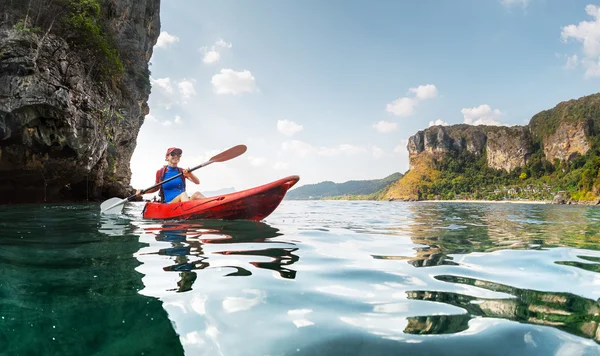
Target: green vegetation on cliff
pixel 456 174
pixel 586 109
pixel 351 190
pixel 466 176
pixel 79 22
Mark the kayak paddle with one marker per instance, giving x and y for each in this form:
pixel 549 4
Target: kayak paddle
pixel 115 205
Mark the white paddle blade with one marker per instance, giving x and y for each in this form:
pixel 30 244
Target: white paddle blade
pixel 112 206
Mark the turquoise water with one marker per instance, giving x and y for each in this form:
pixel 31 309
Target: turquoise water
pixel 314 278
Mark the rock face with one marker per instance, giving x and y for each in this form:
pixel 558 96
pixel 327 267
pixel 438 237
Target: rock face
pixel 63 134
pixel 508 147
pixel 563 133
pixel 566 129
pixel 568 142
pixel 504 147
pixel 439 140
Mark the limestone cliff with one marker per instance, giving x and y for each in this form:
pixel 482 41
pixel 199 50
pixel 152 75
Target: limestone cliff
pixel 565 130
pixel 504 147
pixel 65 131
pixel 563 133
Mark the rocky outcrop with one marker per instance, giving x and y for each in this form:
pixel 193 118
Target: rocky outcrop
pixel 439 140
pixel 569 141
pixel 65 134
pixel 508 147
pixel 563 133
pixel 505 147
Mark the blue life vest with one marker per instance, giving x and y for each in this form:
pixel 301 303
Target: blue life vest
pixel 174 187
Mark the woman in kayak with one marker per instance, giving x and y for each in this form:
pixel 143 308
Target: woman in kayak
pixel 173 191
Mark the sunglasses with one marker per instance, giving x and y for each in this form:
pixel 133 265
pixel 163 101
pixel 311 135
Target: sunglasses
pixel 173 154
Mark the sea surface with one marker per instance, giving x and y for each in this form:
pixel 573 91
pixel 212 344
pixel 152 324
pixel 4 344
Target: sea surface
pixel 314 278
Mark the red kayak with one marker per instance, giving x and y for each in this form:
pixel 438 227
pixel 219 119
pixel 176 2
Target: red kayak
pixel 250 204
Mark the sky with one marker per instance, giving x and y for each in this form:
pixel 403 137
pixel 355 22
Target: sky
pixel 332 90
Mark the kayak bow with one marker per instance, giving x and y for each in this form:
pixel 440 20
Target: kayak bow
pixel 250 204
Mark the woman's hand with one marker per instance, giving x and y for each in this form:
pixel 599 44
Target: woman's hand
pixel 190 176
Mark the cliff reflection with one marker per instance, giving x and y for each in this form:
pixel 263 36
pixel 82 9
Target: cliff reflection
pixel 444 229
pixel 195 246
pixel 568 312
pixel 68 289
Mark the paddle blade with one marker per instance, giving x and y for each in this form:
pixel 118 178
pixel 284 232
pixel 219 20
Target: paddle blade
pixel 112 206
pixel 233 152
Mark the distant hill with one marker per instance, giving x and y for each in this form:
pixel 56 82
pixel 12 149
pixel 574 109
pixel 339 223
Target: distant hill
pixel 350 189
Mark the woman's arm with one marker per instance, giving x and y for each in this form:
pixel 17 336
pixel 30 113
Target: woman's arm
pixel 138 192
pixel 189 175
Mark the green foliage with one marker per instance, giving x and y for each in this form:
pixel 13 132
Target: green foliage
pixel 80 22
pixel 21 26
pixel 467 176
pixel 84 18
pixel 547 122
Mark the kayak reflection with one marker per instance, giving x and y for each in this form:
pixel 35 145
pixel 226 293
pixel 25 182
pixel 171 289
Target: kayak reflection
pixel 198 245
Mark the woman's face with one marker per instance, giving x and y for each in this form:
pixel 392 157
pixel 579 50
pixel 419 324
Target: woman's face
pixel 173 159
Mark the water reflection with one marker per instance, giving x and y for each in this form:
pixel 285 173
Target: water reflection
pixel 195 246
pixel 565 311
pixel 65 289
pixel 442 230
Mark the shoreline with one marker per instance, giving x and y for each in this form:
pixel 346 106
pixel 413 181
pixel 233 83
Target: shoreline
pixel 487 201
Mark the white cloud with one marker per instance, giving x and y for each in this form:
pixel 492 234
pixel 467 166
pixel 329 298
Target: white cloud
pixel 303 149
pixel 405 106
pixel 592 68
pixel 401 148
pixel 212 54
pixel 377 152
pixel 152 119
pixel 257 161
pixel 211 57
pixel 401 107
pixel 385 126
pixel 509 3
pixel 288 128
pixel 232 82
pixel 164 83
pixel 481 115
pixel 222 43
pixel 588 34
pixel 572 62
pixel 162 92
pixel 186 88
pixel 168 123
pixel 423 92
pixel 438 122
pixel 298 147
pixel 165 39
pixel 280 165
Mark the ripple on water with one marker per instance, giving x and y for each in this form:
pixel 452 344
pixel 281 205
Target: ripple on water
pixel 315 278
